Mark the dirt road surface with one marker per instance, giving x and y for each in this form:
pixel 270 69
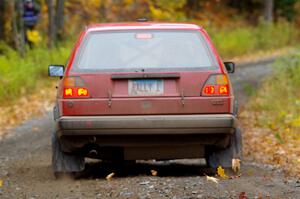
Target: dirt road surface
pixel 25 172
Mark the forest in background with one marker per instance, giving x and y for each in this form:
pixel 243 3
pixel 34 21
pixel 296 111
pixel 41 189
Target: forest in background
pixel 237 28
pixel 63 19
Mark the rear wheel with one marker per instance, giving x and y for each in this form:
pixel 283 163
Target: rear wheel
pixel 223 157
pixel 64 163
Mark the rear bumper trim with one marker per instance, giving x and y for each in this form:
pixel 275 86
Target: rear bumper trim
pixel 147 124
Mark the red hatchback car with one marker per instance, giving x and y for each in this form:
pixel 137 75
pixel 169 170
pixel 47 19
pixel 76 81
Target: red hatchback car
pixel 135 91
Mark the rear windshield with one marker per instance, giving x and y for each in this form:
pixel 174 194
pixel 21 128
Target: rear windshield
pixel 138 50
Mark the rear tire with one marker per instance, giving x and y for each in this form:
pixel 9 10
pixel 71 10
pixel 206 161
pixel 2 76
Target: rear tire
pixel 223 157
pixel 64 163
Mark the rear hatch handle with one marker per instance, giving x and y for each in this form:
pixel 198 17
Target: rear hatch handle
pixel 145 76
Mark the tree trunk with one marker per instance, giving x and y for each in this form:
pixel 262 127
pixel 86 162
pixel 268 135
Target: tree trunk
pixel 60 18
pixel 269 11
pixel 102 10
pixel 18 25
pixel 22 33
pixel 14 25
pixel 51 25
pixel 2 20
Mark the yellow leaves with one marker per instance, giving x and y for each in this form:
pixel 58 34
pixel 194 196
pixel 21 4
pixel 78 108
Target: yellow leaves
pixel 272 126
pixel 94 2
pixel 278 147
pixel 33 36
pixel 158 14
pixel 128 2
pixel 171 6
pixel 167 10
pixel 236 166
pixel 221 173
pixel 296 122
pixel 110 176
pixel 212 179
pixel 1 183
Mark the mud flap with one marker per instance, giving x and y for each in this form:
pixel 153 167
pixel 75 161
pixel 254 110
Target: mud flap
pixel 63 162
pixel 223 157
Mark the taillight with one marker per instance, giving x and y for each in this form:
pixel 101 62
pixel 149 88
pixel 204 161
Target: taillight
pixel 74 87
pixel 216 85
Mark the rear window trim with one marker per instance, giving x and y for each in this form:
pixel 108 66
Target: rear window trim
pixel 213 67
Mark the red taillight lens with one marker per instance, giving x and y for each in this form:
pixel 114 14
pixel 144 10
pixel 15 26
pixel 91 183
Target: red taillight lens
pixel 216 85
pixel 68 92
pixel 76 92
pixel 74 88
pixel 209 90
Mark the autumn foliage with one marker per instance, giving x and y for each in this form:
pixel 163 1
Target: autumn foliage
pixel 76 14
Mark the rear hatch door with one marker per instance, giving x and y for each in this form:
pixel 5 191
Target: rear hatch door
pixel 145 72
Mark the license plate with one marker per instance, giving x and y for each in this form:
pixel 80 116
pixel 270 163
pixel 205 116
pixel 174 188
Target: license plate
pixel 147 87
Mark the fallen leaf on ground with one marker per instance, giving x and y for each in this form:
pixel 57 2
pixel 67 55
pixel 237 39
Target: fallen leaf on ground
pixel 1 183
pixel 260 196
pixel 221 172
pixel 33 104
pixel 243 195
pixel 153 173
pixel 110 176
pixel 212 179
pixel 236 165
pixel 35 129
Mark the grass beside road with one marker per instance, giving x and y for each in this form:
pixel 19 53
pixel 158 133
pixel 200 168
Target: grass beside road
pixel 272 118
pixel 242 41
pixel 19 77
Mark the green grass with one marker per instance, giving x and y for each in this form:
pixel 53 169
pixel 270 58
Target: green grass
pixel 249 40
pixel 23 76
pixel 278 102
pixel 249 89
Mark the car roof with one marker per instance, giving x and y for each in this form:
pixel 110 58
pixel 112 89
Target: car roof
pixel 142 26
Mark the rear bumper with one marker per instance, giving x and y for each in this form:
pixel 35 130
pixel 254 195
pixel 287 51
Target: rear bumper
pixel 147 125
pixel 145 137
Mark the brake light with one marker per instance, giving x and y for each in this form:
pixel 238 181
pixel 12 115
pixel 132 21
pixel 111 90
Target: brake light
pixel 74 87
pixel 216 85
pixel 68 92
pixel 209 90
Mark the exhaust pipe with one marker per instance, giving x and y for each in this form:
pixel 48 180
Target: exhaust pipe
pixel 93 153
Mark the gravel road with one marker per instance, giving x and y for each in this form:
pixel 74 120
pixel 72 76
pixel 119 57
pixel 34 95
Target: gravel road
pixel 26 155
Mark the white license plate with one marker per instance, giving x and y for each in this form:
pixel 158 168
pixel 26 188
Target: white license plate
pixel 145 87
